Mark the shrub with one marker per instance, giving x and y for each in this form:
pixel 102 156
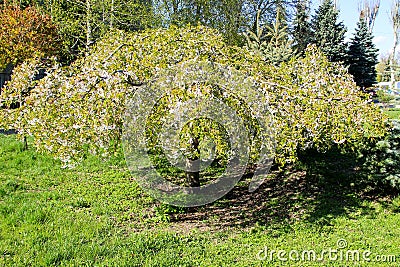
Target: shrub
pixel 25 33
pixel 80 108
pixel 381 159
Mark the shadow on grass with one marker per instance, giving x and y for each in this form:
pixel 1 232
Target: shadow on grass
pixel 323 187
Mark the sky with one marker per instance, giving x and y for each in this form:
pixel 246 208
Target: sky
pixel 349 14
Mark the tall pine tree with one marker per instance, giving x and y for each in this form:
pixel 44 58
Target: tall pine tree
pixel 270 42
pixel 362 56
pixel 279 48
pixel 302 27
pixel 328 33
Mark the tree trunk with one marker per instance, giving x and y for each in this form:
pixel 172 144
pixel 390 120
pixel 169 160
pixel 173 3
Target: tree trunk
pixel 193 166
pixel 25 143
pixel 174 9
pixel 392 61
pixel 368 11
pixel 395 17
pixel 89 35
pixel 112 15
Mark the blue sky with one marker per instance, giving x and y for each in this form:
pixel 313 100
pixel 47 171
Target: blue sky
pixel 349 14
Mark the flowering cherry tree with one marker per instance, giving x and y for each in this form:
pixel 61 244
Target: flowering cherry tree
pixel 79 109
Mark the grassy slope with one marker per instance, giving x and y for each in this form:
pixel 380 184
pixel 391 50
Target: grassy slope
pixel 97 215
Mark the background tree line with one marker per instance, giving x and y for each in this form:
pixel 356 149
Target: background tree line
pixel 278 29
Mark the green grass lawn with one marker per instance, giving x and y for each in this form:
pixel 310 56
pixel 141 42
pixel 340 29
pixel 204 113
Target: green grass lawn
pixel 393 113
pixel 96 215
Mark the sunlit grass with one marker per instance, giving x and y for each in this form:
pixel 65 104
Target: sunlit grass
pixel 97 215
pixel 393 113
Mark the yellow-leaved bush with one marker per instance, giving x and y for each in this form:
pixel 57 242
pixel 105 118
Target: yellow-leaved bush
pixel 79 109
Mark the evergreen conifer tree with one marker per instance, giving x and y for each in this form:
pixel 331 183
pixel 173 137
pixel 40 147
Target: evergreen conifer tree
pixel 271 42
pixel 328 33
pixel 362 56
pixel 279 48
pixel 301 27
